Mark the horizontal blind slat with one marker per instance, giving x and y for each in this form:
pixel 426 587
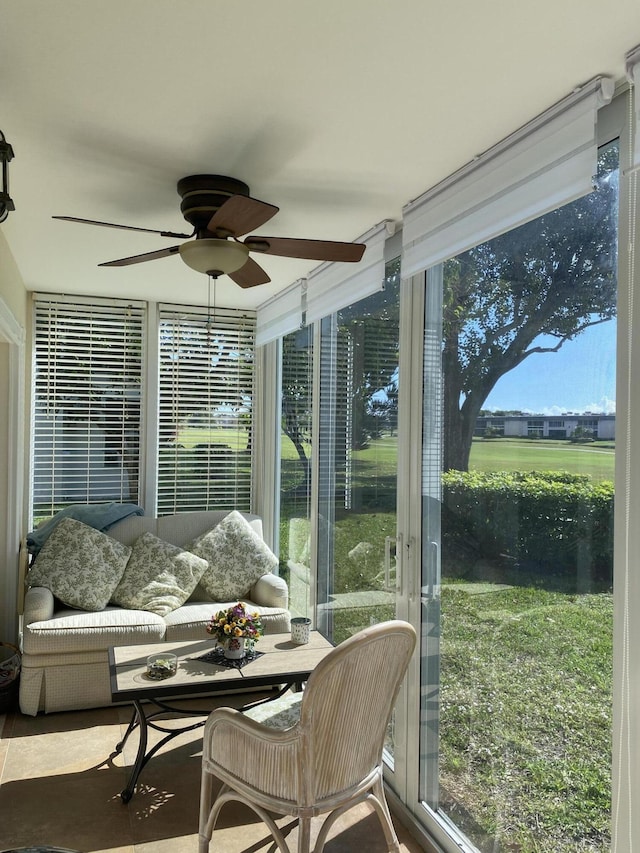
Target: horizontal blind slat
pixel 87 385
pixel 205 399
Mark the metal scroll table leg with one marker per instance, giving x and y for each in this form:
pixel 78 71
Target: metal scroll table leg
pixel 144 722
pixel 132 724
pixel 139 718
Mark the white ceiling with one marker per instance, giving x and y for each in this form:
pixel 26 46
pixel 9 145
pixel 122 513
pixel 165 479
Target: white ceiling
pixel 338 112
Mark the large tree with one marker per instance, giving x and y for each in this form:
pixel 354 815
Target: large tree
pixel 364 357
pixel 528 291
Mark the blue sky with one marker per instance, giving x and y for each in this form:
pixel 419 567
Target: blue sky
pixel 580 377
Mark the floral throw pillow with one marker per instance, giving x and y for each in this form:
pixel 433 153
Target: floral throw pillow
pixel 159 576
pixel 237 558
pixel 80 565
pixel 282 713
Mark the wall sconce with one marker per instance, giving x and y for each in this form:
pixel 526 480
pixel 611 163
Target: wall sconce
pixel 6 154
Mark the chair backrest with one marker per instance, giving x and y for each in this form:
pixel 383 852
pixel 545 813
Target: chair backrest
pixel 347 705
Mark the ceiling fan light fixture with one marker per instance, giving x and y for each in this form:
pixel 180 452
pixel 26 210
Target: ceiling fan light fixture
pixel 214 256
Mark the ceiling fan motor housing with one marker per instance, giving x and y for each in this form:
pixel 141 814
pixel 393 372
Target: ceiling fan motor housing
pixel 202 195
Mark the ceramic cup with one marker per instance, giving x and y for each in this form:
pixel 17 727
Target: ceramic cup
pixel 300 629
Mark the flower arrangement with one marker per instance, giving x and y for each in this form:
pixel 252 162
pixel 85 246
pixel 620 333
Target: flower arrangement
pixel 237 622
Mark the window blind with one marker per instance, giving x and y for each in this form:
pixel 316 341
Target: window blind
pixel 280 315
pixel 204 409
pixel 547 163
pixel 333 286
pixel 327 289
pixel 87 402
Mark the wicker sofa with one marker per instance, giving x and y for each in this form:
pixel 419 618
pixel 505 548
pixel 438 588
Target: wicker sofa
pixel 64 650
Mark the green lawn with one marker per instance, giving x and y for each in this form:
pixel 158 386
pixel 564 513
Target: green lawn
pixel 512 454
pixel 235 439
pixel 525 726
pixel 525 672
pixel 497 454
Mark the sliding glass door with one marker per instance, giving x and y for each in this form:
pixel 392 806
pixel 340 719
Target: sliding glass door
pixel 451 462
pixel 517 534
pixel 339 464
pixel 485 386
pixel 357 463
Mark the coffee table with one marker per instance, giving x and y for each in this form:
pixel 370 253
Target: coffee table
pixel 280 663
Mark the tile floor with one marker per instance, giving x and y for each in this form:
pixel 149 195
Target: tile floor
pixel 60 786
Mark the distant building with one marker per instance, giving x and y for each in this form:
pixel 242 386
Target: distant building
pixel 601 426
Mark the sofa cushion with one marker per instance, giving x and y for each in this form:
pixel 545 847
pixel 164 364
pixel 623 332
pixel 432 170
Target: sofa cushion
pixel 71 631
pixel 80 565
pixel 237 557
pixel 159 576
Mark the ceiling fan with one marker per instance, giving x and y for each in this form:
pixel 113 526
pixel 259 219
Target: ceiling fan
pixel 221 210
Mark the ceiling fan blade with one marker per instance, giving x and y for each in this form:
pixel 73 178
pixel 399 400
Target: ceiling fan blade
pixel 250 275
pixel 123 227
pixel 241 214
pixel 315 250
pixel 138 259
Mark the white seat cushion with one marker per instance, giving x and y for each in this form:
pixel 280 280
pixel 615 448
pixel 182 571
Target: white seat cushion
pixel 75 630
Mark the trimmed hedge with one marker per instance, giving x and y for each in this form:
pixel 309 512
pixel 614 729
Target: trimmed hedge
pixel 550 521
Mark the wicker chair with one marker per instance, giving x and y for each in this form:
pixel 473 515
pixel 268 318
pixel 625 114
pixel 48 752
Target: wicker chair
pixel 316 752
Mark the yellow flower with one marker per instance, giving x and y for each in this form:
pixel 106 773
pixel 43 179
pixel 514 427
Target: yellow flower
pixel 237 632
pixel 227 629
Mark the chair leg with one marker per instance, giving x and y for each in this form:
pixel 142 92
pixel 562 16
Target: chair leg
pixel 330 819
pixel 206 801
pixel 227 794
pixel 379 802
pixel 304 834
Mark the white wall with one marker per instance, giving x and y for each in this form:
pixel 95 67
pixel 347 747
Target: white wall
pixel 12 289
pixel 13 313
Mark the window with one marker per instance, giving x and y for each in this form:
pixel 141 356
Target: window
pixel 87 403
pixel 358 459
pixel 205 409
pixel 535 428
pixel 296 467
pixel 508 722
pixel 518 597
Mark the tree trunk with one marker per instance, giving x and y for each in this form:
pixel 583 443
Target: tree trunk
pixel 302 457
pixel 454 444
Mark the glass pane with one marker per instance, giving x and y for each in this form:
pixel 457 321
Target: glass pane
pixel 358 453
pixel 518 561
pixel 205 411
pixel 87 391
pixel 295 468
pixel 358 463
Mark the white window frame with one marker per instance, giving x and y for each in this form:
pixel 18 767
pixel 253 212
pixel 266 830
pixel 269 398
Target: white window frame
pixel 13 342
